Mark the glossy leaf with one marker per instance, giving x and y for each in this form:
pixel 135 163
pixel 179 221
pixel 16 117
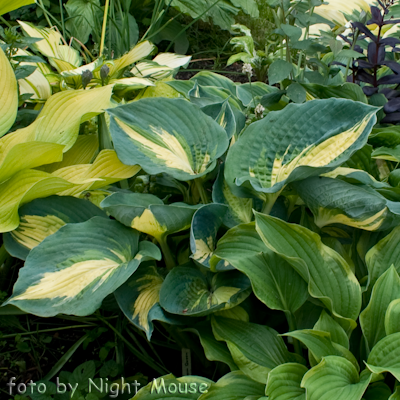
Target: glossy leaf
pixel 10 5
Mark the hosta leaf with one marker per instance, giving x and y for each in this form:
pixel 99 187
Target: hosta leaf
pixel 74 269
pixel 164 135
pixel 383 255
pixel 266 160
pixel 187 291
pixel 378 391
pixel 207 78
pixel 320 345
pixel 258 343
pixel 203 233
pixel 274 281
pixel 392 317
pixel 344 91
pixel 396 394
pixel 205 95
pixel 328 275
pixel 22 188
pixel 223 114
pixel 333 201
pixel 169 387
pixel 284 382
pixel 8 94
pixel 148 214
pixel 247 92
pixel 234 386
pixel 10 5
pixel 372 319
pixel 139 297
pixel 43 217
pixel 335 378
pixel 327 324
pixel 105 170
pixel 388 136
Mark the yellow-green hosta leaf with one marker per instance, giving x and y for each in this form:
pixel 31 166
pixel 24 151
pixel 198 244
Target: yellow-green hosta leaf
pixel 35 84
pixel 151 69
pixel 164 135
pixel 73 270
pixel 10 5
pixel 284 382
pixel 133 83
pixel 329 277
pixel 43 217
pixel 8 94
pixel 335 378
pixel 299 141
pixel 22 188
pixel 234 386
pixel 187 291
pixel 334 201
pixel 139 297
pixel 105 170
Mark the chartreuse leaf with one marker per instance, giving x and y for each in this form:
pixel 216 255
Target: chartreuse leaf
pixel 333 201
pixel 147 213
pixel 10 5
pixel 74 269
pixel 385 356
pixel 42 217
pixel 273 279
pixel 329 277
pixel 234 386
pixel 9 92
pixel 318 136
pixel 169 387
pixel 167 135
pixel 335 378
pixel 284 382
pixel 22 188
pixel 384 254
pixel 327 324
pixel 203 233
pixel 188 291
pixel 372 319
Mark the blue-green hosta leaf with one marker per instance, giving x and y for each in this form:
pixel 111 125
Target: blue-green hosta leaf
pixel 329 277
pixel 247 92
pixel 74 269
pixel 188 291
pixel 167 135
pixel 284 382
pixel 43 217
pixel 320 345
pixel 346 90
pixel 333 201
pixel 203 233
pixel 139 297
pixel 169 387
pixel 335 378
pixel 372 319
pixel 8 94
pixel 385 356
pixel 147 213
pixel 326 323
pixel 182 87
pixel 207 78
pixel 273 279
pixel 223 114
pixel 383 255
pixel 318 136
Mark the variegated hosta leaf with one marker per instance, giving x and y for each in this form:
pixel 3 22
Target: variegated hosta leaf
pixel 105 170
pixel 234 386
pixel 74 269
pixel 151 69
pixel 147 213
pixel 36 85
pixel 207 78
pixel 274 281
pixel 172 60
pixel 334 201
pixel 22 188
pixel 328 275
pixel 203 233
pixel 10 5
pixel 372 319
pixel 43 217
pixel 335 378
pixel 385 356
pixel 164 135
pixel 188 291
pixel 223 114
pixel 297 142
pixel 8 94
pixel 284 382
pixel 139 297
pixel 169 387
pixel 247 92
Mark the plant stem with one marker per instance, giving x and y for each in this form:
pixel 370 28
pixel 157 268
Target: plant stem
pixel 45 13
pixel 104 134
pixel 292 327
pixel 103 31
pixel 199 185
pixel 5 22
pixel 168 258
pixel 270 199
pixel 62 17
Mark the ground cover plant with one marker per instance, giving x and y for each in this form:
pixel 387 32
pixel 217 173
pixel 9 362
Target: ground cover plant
pixel 251 227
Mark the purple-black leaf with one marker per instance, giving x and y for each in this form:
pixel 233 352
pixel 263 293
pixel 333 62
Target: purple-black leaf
pixel 369 90
pixel 393 118
pixel 392 106
pixel 389 80
pixel 362 28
